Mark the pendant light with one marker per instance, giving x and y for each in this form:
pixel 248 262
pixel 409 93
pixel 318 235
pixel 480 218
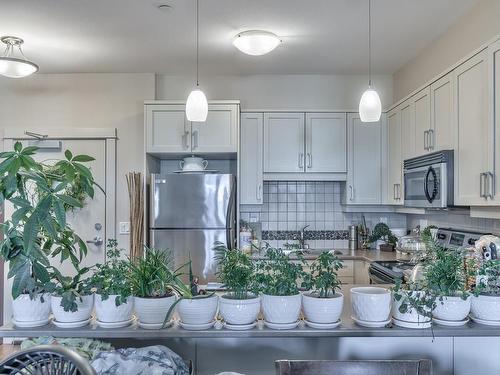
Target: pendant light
pixel 13 63
pixel 370 107
pixel 196 104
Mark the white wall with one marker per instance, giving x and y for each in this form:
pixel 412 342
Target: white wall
pixel 472 30
pixel 280 92
pixel 85 100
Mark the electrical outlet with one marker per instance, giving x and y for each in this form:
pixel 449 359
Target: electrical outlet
pixel 383 219
pixel 124 227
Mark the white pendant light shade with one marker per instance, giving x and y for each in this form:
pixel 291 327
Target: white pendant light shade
pixel 197 106
pixel 370 107
pixel 256 42
pixel 13 63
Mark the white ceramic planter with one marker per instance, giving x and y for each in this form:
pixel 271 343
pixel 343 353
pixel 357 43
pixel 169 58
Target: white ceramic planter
pixel 107 311
pixel 198 310
pixel 84 311
pixel 486 307
pixel 371 304
pixel 411 316
pixel 239 311
pixel 452 308
pixel 322 310
pixel 281 309
pixel 153 310
pixel 25 309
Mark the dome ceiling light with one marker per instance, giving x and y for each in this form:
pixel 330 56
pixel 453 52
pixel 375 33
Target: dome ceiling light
pixel 256 42
pixel 13 63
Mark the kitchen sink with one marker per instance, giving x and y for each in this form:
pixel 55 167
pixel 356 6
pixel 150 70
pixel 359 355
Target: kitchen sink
pixel 312 251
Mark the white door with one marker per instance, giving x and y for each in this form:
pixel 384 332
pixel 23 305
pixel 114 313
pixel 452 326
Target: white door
pixel 326 142
pixel 219 133
pixel 167 129
pixel 394 186
pixel 94 223
pixel 251 153
pixel 364 171
pixel 441 137
pixel 472 134
pixel 284 142
pixel 422 119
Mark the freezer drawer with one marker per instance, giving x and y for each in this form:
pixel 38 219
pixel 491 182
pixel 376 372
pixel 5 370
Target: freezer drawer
pixel 195 244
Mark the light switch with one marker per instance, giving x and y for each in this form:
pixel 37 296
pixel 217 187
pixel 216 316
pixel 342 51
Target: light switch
pixel 124 227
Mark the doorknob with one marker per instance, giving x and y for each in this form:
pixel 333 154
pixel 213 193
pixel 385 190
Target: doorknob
pixel 97 241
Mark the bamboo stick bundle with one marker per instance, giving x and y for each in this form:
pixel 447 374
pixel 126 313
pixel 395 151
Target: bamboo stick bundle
pixel 136 199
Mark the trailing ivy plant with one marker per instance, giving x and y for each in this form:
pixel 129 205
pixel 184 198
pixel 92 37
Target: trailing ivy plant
pixel 322 277
pixel 414 296
pixel 37 229
pixel 488 278
pixel 111 277
pixel 235 270
pixel 277 274
pixel 71 289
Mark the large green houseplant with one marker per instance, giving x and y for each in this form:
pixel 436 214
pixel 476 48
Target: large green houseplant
pixel 40 194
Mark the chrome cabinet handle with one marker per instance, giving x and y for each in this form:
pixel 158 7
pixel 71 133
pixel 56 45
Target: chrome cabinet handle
pixel 431 139
pixel 259 192
pixel 482 194
pixel 309 160
pixel 351 193
pixel 98 241
pixel 301 160
pixel 185 139
pixel 490 185
pixel 194 139
pixel 425 140
pixel 394 192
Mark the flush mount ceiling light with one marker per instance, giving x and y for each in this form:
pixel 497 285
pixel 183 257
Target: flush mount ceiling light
pixel 196 104
pixel 370 107
pixel 13 63
pixel 256 42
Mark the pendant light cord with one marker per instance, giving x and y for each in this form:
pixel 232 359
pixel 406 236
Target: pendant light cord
pixel 197 43
pixel 369 43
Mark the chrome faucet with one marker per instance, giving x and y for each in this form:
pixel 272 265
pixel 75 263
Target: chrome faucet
pixel 302 240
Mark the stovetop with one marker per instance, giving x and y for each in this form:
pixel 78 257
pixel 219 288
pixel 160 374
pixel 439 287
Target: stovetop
pixel 392 268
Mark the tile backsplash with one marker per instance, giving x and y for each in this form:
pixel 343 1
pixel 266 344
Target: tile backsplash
pixel 290 205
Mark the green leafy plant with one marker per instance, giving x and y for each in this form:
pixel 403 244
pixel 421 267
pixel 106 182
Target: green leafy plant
pixel 488 278
pixel 382 232
pixel 111 277
pixel 71 289
pixel 235 270
pixel 414 296
pixel 151 276
pixel 37 229
pixel 322 278
pixel 277 274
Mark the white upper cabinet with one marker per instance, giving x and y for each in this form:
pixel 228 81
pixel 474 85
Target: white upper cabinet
pixel 407 118
pixel 326 146
pixel 473 157
pixel 364 172
pixel 168 131
pixel 284 142
pixel 394 158
pixel 251 152
pixel 442 108
pixel 422 120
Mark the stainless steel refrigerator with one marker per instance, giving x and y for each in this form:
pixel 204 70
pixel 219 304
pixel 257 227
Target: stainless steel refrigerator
pixel 188 213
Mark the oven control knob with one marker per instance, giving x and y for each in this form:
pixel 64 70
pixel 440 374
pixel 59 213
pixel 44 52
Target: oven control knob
pixel 441 236
pixel 472 241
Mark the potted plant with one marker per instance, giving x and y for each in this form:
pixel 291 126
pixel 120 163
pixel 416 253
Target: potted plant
pixel 446 279
pixel 72 299
pixel 323 303
pixel 39 194
pixel 236 271
pixel 111 284
pixel 485 304
pixel 154 286
pixel 381 233
pixel 277 278
pixel 412 304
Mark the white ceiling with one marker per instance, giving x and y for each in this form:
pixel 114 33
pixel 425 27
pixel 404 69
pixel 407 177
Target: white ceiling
pixel 319 36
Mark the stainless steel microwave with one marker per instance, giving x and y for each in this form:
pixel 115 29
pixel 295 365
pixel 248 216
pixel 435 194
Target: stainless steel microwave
pixel 428 180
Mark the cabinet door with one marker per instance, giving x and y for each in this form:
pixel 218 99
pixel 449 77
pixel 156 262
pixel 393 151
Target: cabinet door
pixel 284 142
pixel 364 171
pixel 251 151
pixel 326 142
pixel 394 186
pixel 219 133
pixel 494 119
pixel 472 135
pixel 167 129
pixel 441 137
pixel 406 110
pixel 422 119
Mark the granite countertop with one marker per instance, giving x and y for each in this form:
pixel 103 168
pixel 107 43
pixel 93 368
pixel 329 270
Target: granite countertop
pixel 365 255
pixel 347 329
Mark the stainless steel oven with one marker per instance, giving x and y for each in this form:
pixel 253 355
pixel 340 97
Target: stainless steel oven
pixel 428 180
